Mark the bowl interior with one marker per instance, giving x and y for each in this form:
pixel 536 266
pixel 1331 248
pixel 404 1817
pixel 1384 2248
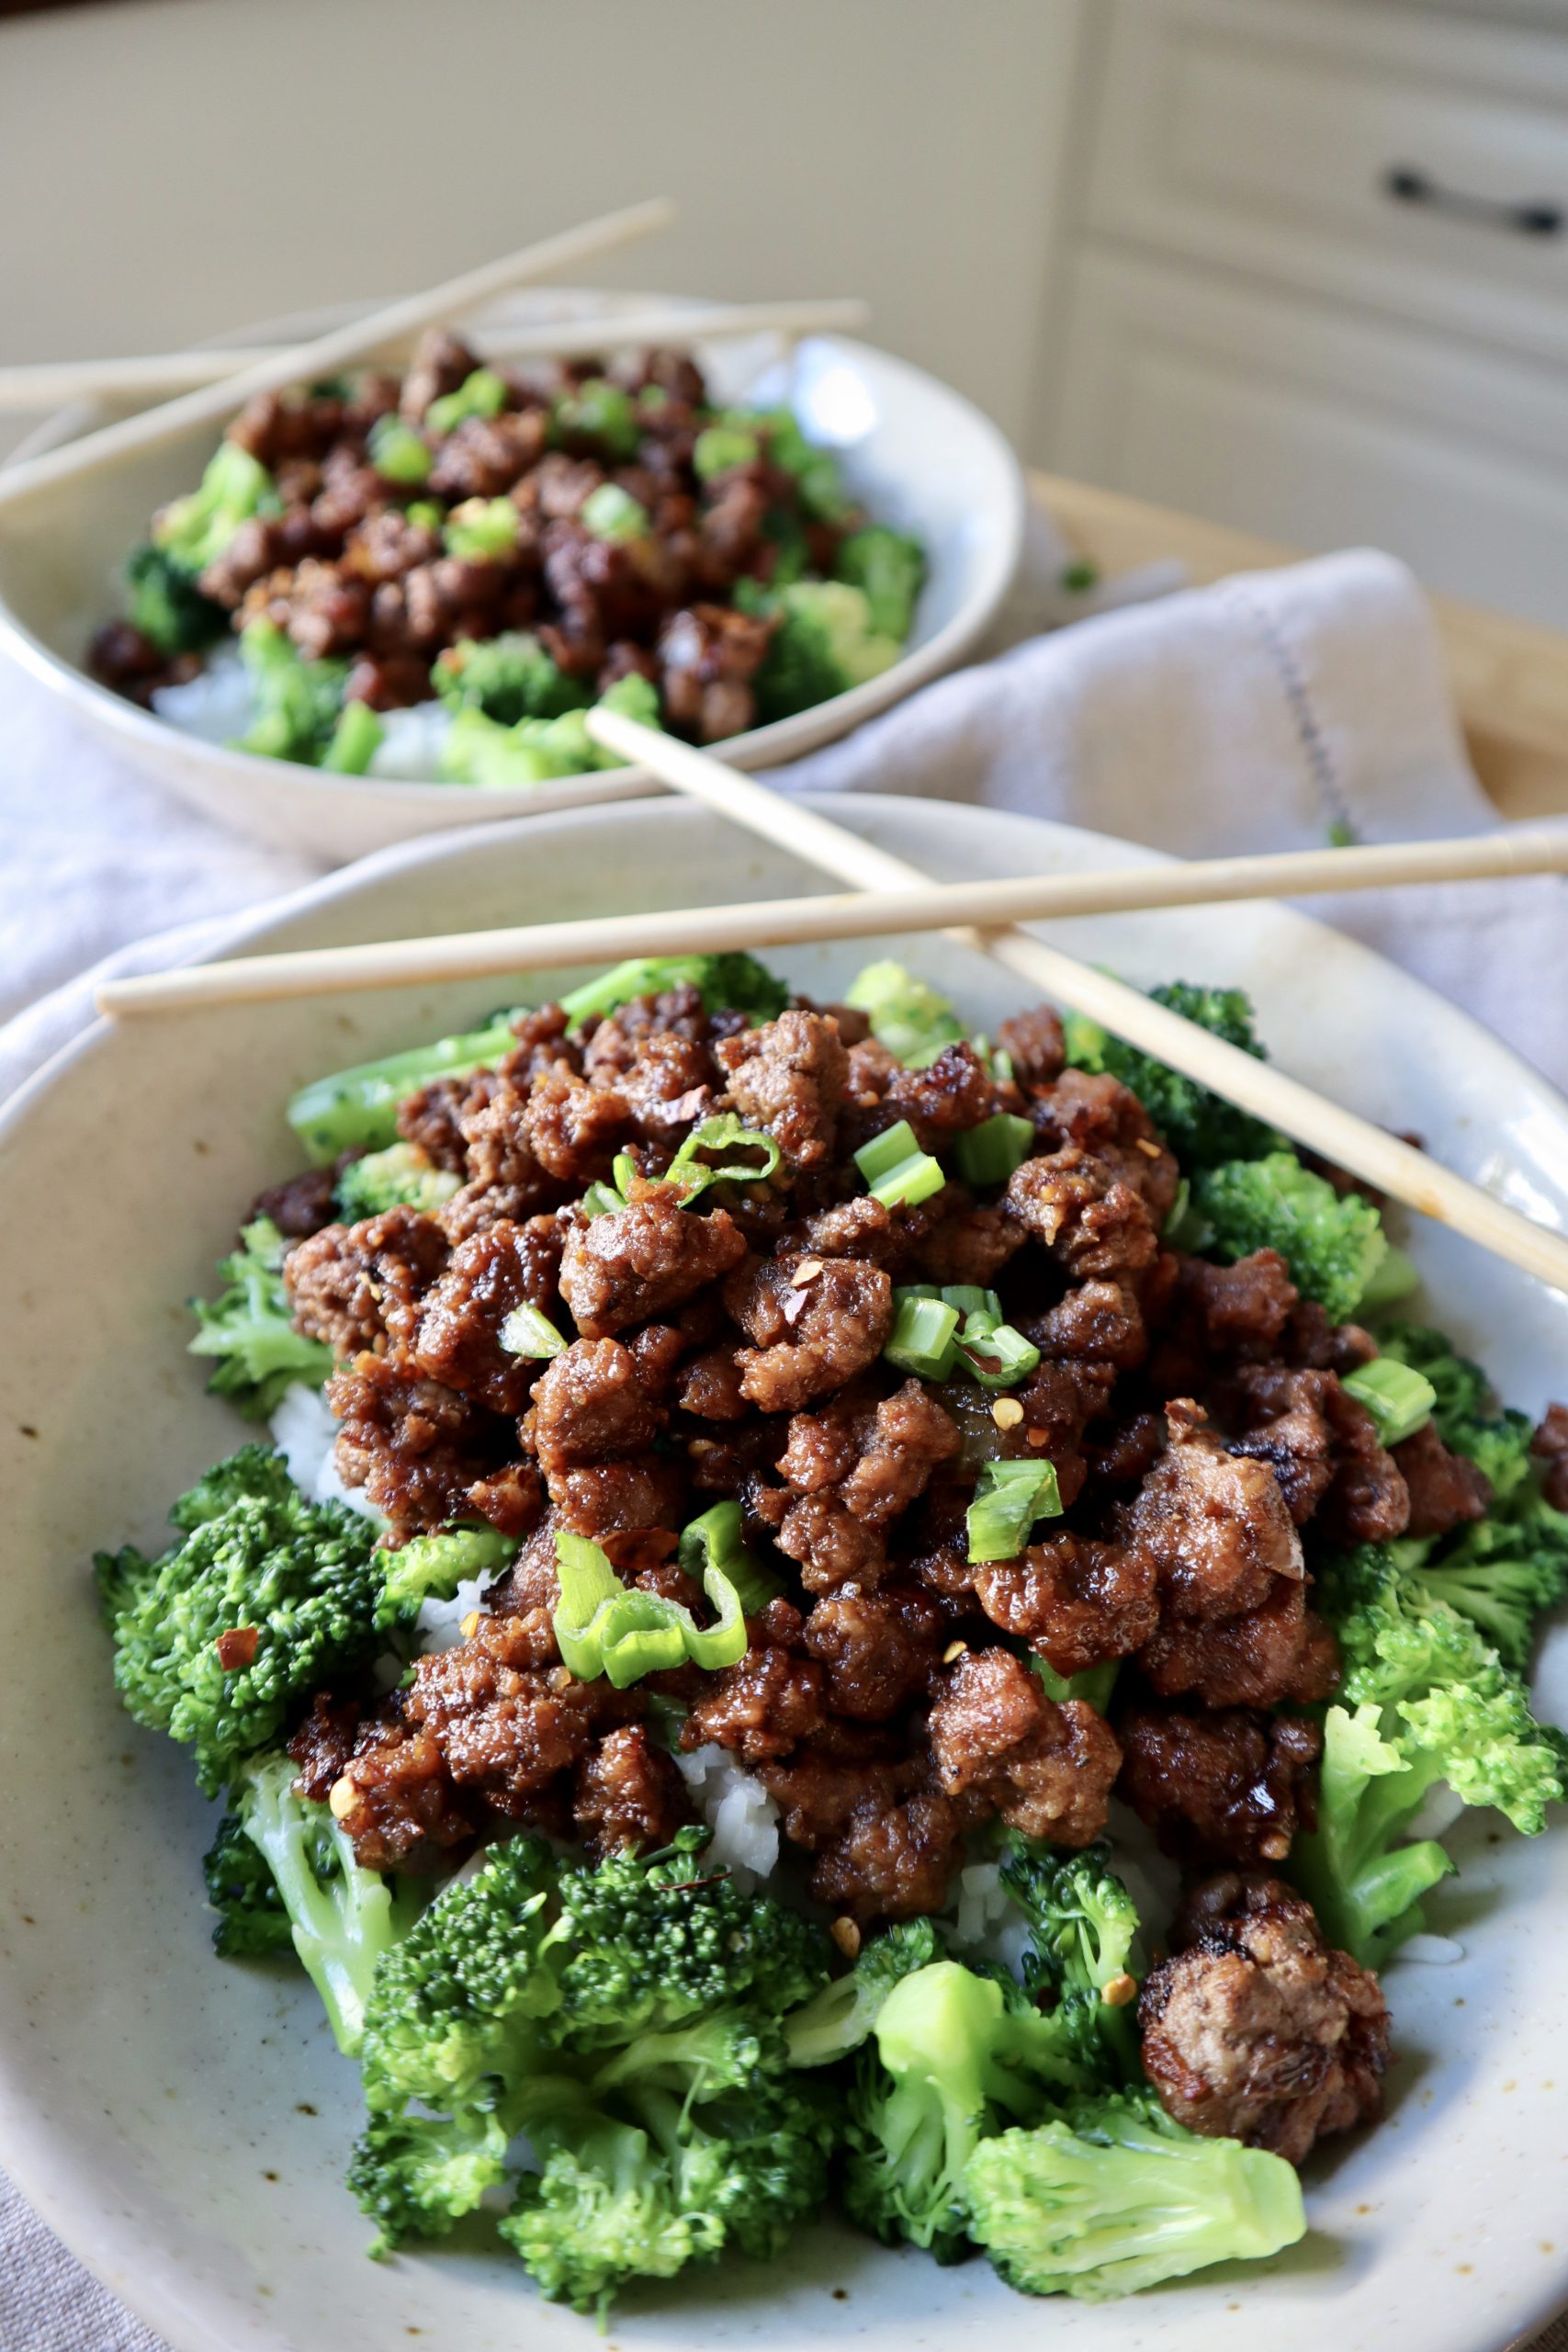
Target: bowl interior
pixel 185 2123
pixel 916 453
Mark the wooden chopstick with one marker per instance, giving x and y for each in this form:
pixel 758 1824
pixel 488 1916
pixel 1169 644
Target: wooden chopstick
pixel 46 384
pixel 212 404
pixel 779 922
pixel 1352 1143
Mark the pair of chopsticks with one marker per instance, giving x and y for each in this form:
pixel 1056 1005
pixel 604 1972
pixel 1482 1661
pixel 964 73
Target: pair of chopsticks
pixel 899 898
pixel 50 383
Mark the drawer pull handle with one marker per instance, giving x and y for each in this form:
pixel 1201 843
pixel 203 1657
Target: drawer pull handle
pixel 1407 186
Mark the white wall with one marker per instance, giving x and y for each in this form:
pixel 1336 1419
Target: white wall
pixel 174 167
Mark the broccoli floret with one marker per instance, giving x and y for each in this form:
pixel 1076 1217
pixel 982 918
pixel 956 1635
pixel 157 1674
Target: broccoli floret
pixel 251 1920
pixel 265 1597
pixel 355 741
pixel 1199 1127
pixel 824 644
pixel 1084 1929
pixel 1463 1391
pixel 1423 1697
pixel 536 751
pixel 957 2055
pixel 194 531
pixel 732 982
pixel 249 1327
pixel 296 701
pixel 342 1918
pixel 431 1567
pixel 891 569
pixel 167 606
pixel 819 483
pixel 1333 1243
pixel 400 1176
pixel 626 2018
pixel 508 677
pixel 356 1109
pixel 836 2020
pixel 913 1020
pixel 1113 2195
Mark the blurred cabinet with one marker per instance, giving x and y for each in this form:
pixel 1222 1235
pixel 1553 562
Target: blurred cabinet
pixel 1318 283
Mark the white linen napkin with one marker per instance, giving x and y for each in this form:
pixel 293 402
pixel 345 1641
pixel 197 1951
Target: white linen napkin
pixel 1255 715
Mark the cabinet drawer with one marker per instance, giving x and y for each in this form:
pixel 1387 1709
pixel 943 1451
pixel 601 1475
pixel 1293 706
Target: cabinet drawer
pixel 1262 134
pixel 1321 427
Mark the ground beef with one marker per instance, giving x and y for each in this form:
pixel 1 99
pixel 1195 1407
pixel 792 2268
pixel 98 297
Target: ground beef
pixel 458 1337
pixel 506 1722
pixel 627 1791
pixel 423 1453
pixel 1078 1603
pixel 591 1406
pixel 1323 1448
pixel 968 1244
pixel 301 1207
pixel 1046 1769
pixel 809 1336
pixel 893 1861
pixel 1101 1321
pixel 1229 1787
pixel 878 1648
pixel 1036 1045
pixel 1274 1653
pixel 1257 2029
pixel 606 1499
pixel 1550 1444
pixel 1094 1223
pixel 572 1129
pixel 951 1093
pixel 761 1708
pixel 1445 1489
pixel 1106 1119
pixel 1216 1524
pixel 1242 1310
pixel 355 1286
pixel 788 1079
pixel 708 657
pixel 641 1260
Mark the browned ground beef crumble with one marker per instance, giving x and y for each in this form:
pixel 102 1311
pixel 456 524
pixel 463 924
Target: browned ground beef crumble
pixel 1194 1413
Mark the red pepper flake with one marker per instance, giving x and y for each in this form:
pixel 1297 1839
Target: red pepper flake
pixel 237 1648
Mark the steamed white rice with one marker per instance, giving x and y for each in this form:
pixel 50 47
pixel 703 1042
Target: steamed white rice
pixel 738 1809
pixel 218 706
pixel 305 1433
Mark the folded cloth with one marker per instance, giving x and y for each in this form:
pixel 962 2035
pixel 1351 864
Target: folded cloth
pixel 1265 713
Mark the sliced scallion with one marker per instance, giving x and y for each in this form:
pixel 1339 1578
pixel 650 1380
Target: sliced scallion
pixel 1399 1399
pixel 988 1154
pixel 1010 1498
pixel 923 1337
pixel 528 1332
pixel 897 1173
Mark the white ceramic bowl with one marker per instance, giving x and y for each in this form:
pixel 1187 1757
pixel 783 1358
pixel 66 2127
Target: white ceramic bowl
pixel 185 2123
pixel 917 454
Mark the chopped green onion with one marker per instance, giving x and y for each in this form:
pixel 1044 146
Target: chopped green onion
pixel 970 1299
pixel 480 529
pixel 724 1132
pixel 999 1356
pixel 355 741
pixel 899 1173
pixel 528 1332
pixel 609 1628
pixel 1094 1685
pixel 923 1337
pixel 360 1106
pixel 1008 1499
pixel 602 1199
pixel 612 513
pixel 988 1154
pixel 720 447
pixel 624 1173
pixel 425 513
pixel 1394 1277
pixel 397 452
pixel 1399 1399
pixel 715 1541
pixel 480 394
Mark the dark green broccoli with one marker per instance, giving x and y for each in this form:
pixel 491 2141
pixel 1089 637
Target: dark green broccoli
pixel 399 1176
pixel 339 1918
pixel 1333 1243
pixel 824 644
pixel 296 702
pixel 836 2020
pixel 1111 2196
pixel 264 1598
pixel 194 531
pixel 626 2018
pixel 1423 1697
pixel 431 1567
pixel 508 677
pixel 891 569
pixel 913 1020
pixel 819 483
pixel 957 2055
pixel 481 394
pixel 249 1327
pixel 354 741
pixel 535 751
pixel 356 1109
pixel 732 982
pixel 1199 1127
pixel 251 1920
pixel 166 606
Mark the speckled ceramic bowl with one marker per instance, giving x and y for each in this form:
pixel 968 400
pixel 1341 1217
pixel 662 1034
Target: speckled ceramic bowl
pixel 917 454
pixel 185 2123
